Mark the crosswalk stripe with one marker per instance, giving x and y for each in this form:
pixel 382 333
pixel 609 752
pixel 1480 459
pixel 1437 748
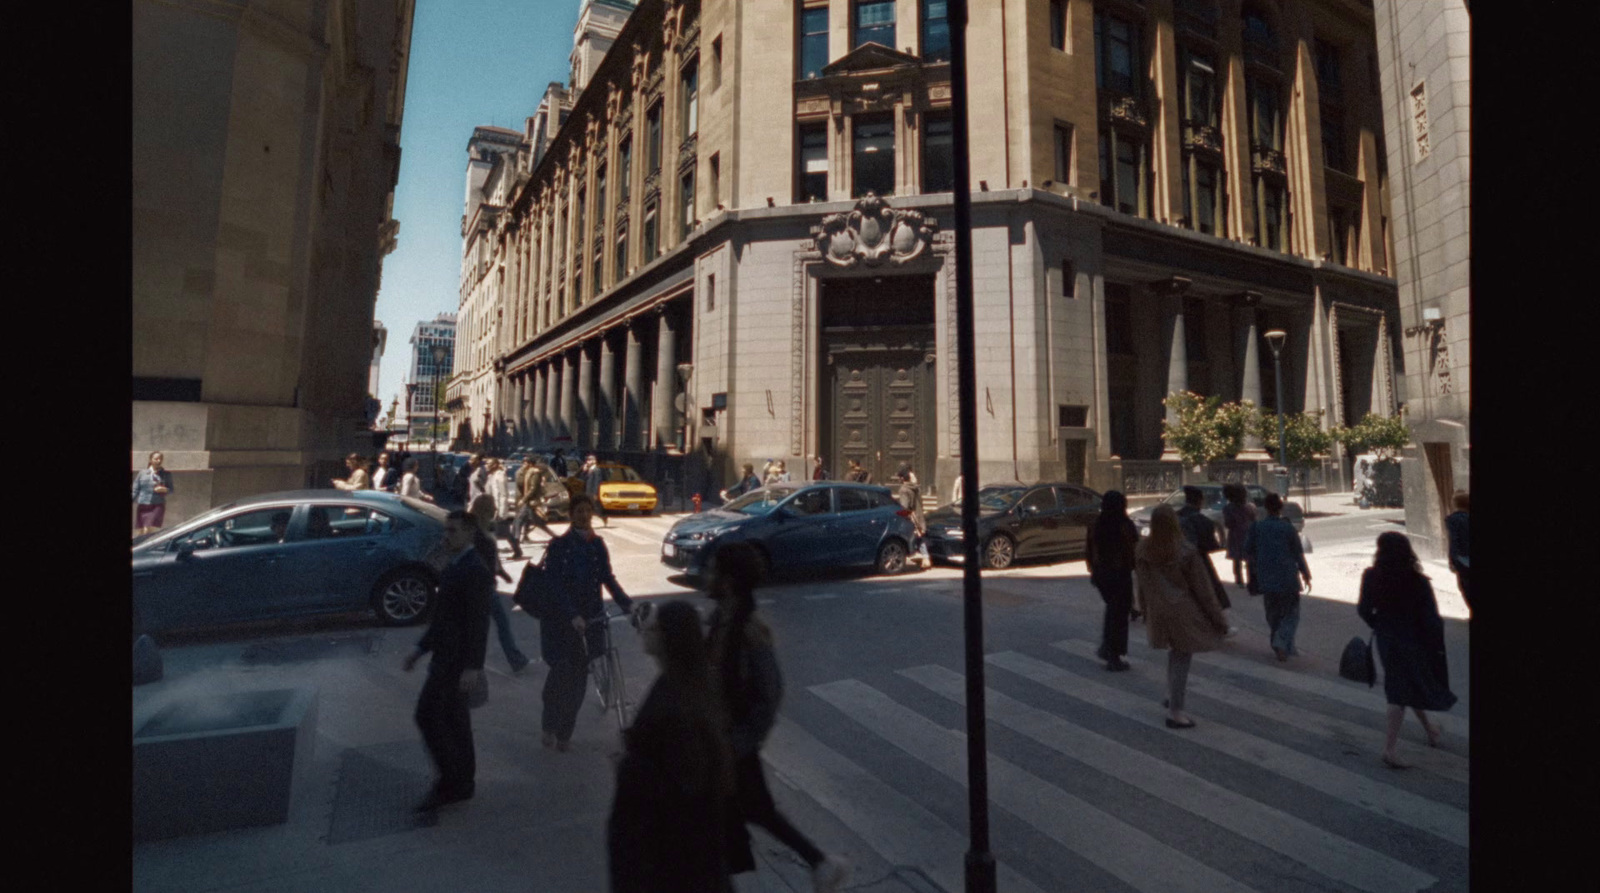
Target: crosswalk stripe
pixel 1327 853
pixel 1120 849
pixel 1443 821
pixel 1332 687
pixel 642 538
pixel 1441 763
pixel 895 826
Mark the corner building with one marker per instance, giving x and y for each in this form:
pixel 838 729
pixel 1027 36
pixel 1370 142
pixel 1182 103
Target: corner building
pixel 738 245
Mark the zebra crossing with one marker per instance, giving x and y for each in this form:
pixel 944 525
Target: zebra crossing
pixel 1239 803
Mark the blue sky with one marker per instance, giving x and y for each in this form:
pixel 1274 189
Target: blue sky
pixel 472 62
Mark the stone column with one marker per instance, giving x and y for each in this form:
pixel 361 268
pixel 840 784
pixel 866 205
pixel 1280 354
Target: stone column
pixel 524 410
pixel 1170 293
pixel 569 397
pixel 536 405
pixel 1250 369
pixel 584 435
pixel 663 412
pixel 633 397
pixel 549 388
pixel 606 408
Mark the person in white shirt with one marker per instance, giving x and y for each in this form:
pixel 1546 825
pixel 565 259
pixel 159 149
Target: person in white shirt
pixel 383 477
pixel 410 485
pixel 499 488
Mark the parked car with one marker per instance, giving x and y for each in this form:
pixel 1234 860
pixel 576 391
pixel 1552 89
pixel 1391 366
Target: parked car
pixel 1213 507
pixel 290 554
pixel 1018 521
pixel 798 525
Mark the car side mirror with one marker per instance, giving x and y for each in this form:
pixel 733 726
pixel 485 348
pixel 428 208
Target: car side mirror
pixel 780 514
pixel 184 550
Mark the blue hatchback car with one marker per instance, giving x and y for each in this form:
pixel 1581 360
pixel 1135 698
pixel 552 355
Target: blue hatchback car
pixel 290 554
pixel 794 526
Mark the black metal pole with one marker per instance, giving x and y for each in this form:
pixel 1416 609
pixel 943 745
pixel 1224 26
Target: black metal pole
pixel 980 866
pixel 1283 453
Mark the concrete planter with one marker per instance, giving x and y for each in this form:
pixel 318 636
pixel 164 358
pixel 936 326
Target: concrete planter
pixel 221 762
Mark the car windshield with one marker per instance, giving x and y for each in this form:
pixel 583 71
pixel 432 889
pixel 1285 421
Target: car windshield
pixel 1213 498
pixel 760 502
pixel 623 473
pixel 999 498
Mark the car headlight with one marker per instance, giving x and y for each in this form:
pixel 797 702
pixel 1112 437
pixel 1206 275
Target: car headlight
pixel 953 533
pixel 703 535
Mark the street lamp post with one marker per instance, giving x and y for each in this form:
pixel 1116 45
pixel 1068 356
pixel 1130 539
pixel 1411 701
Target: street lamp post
pixel 487 433
pixel 439 353
pixel 1275 339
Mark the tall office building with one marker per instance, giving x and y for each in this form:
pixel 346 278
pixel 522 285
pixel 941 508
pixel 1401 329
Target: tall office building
pixel 426 378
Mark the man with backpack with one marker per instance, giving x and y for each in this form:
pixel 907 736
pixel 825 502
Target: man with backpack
pixel 531 478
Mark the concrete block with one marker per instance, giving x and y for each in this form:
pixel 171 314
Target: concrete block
pixel 215 763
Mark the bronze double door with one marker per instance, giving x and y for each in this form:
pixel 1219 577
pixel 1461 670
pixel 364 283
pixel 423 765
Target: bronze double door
pixel 879 407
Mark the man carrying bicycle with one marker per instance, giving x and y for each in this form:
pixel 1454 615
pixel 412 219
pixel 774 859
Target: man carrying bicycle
pixel 577 564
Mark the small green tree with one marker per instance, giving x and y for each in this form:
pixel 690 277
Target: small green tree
pixel 1206 430
pixel 1385 436
pixel 1304 438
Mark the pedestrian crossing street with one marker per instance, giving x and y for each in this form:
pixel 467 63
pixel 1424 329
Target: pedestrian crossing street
pixel 1278 788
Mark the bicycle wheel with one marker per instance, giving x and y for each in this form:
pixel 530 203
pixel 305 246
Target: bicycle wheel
pixel 619 687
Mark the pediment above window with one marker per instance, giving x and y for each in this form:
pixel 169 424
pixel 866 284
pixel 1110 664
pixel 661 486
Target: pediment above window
pixel 869 57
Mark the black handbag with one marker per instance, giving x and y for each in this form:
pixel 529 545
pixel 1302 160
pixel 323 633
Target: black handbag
pixel 1356 663
pixel 535 593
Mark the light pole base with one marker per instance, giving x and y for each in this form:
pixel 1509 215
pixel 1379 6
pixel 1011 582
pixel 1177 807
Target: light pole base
pixel 980 872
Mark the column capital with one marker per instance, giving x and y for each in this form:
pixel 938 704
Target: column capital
pixel 1249 299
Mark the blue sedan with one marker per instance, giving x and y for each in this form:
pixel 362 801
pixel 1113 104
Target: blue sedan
pixel 290 554
pixel 795 526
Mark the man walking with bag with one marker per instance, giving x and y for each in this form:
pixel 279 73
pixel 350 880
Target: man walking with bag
pixel 457 636
pixel 1278 564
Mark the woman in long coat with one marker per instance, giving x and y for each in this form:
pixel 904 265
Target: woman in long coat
pixel 1397 602
pixel 675 798
pixel 1112 541
pixel 1183 614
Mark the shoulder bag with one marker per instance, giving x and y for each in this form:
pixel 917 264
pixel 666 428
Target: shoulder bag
pixel 535 591
pixel 1356 662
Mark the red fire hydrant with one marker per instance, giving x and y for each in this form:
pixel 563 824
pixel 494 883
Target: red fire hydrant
pixel 697 503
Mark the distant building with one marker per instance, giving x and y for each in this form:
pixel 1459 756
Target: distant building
pixel 1424 61
pixel 266 146
pixel 599 23
pixel 380 339
pixel 425 375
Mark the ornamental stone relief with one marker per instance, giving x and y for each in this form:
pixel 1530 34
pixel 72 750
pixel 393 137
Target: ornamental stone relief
pixel 873 234
pixel 1264 160
pixel 1129 109
pixel 1202 136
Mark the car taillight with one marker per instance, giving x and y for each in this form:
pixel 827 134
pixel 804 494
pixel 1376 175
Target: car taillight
pixel 904 513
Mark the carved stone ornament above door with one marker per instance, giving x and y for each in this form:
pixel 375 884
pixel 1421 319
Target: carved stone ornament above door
pixel 873 234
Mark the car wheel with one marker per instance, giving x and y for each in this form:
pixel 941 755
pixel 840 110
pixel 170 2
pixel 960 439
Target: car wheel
pixel 999 552
pixel 891 557
pixel 403 597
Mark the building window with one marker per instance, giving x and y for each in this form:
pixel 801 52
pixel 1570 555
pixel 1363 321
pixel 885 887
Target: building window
pixel 1063 153
pixel 1058 24
pixel 938 152
pixel 1344 234
pixel 598 267
pixel 715 198
pixel 621 262
pixel 1069 280
pixel 813 166
pixel 690 117
pixel 577 281
pixel 935 31
pixel 649 234
pixel 716 63
pixel 1260 43
pixel 711 292
pixel 625 169
pixel 1199 89
pixel 1117 49
pixel 874 23
pixel 873 155
pixel 813 41
pixel 1333 141
pixel 599 197
pixel 1124 172
pixel 1266 114
pixel 686 202
pixel 1270 201
pixel 652 140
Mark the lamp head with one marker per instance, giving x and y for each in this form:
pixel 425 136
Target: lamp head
pixel 1275 339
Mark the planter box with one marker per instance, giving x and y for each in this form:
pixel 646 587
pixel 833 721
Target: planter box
pixel 220 762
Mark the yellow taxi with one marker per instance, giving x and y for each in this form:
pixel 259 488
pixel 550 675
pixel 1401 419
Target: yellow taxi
pixel 622 490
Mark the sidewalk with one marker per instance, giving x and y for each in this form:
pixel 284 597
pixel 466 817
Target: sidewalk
pixel 537 822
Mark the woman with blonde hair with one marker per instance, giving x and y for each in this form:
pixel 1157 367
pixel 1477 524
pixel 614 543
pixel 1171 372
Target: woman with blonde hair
pixel 1182 612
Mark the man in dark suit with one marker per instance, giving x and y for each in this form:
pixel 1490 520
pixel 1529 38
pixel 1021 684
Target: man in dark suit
pixel 1201 532
pixel 458 636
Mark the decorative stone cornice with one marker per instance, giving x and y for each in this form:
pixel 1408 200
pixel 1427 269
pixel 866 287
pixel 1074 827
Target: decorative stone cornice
pixel 1129 110
pixel 1267 161
pixel 686 152
pixel 1172 286
pixel 1203 137
pixel 873 234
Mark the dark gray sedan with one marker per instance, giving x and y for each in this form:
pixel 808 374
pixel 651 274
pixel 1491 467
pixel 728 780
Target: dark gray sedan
pixel 1213 507
pixel 1019 521
pixel 290 554
pixel 799 525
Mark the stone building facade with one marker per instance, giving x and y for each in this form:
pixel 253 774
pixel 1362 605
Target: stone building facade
pixel 738 247
pixel 1424 61
pixel 266 145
